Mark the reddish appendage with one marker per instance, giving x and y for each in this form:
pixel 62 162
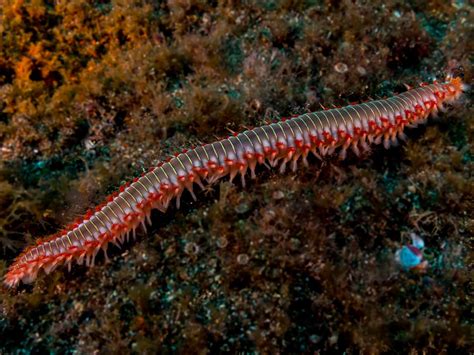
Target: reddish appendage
pixel 284 142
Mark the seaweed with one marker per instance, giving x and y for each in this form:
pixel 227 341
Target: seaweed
pixel 93 93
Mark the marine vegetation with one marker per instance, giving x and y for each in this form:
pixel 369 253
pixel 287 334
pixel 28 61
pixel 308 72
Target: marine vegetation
pixel 93 93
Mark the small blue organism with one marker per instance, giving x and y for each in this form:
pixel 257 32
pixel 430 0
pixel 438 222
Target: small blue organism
pixel 410 256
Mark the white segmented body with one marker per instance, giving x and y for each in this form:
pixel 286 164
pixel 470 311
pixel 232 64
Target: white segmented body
pixel 353 126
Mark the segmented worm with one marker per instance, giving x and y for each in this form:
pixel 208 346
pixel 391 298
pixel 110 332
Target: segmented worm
pixel 284 142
